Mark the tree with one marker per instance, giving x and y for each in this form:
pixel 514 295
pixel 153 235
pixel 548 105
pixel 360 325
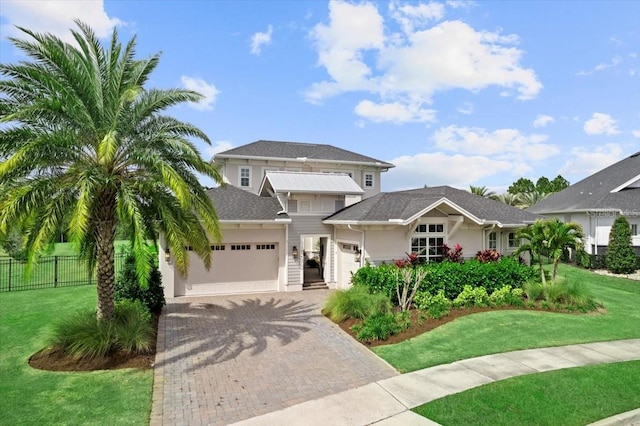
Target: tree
pixel 550 237
pixel 85 145
pixel 482 191
pixel 620 256
pixel 528 199
pixel 521 186
pixel 543 185
pixel 509 199
pixel 558 184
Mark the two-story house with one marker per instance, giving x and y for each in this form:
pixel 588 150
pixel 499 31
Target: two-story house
pixel 294 213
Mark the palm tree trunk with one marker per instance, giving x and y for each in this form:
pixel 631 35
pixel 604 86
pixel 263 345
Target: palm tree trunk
pixel 106 235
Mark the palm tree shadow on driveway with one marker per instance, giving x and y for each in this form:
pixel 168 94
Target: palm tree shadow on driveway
pixel 216 332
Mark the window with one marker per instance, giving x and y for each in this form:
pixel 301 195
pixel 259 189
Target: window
pixel 368 180
pixel 304 206
pixel 217 248
pixel 292 206
pixel 245 177
pixel 493 241
pixel 634 229
pixel 513 241
pixel 339 205
pixel 239 247
pixel 265 246
pixel 427 245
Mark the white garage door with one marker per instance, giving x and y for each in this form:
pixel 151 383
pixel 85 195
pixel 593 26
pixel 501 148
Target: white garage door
pixel 235 268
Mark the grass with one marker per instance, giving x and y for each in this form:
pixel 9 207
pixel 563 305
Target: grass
pixel 502 331
pixel 29 396
pixel 575 396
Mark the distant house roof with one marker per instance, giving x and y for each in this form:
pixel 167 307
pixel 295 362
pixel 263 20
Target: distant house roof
pixel 237 205
pixel 403 207
pixel 616 187
pixel 300 152
pixel 313 183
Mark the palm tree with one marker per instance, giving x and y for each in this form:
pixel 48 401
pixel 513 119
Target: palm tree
pixel 550 236
pixel 528 199
pixel 482 191
pixel 85 145
pixel 509 199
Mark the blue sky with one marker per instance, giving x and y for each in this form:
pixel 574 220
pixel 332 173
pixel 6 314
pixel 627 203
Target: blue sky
pixel 454 92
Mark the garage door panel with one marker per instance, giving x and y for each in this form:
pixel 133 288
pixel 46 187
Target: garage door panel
pixel 239 268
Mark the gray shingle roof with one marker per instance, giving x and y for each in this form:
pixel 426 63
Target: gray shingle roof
pixel 594 192
pixel 235 204
pixel 406 204
pixel 298 150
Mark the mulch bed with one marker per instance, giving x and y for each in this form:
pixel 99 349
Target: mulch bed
pixel 52 359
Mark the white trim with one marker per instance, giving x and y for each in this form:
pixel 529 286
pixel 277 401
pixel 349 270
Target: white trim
pixel 626 184
pixel 304 160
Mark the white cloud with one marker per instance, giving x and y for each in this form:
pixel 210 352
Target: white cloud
pixel 439 168
pixel 502 144
pixel 55 17
pixel 542 120
pixel 615 61
pixel 218 146
pixel 601 124
pixel 261 39
pixel 636 133
pixel 586 161
pixel 464 4
pixel 394 112
pixel 360 54
pixel 466 108
pixel 207 90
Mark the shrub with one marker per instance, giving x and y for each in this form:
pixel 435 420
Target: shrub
pixel 437 306
pixel 501 296
pixel 452 254
pixel 533 290
pixel 488 256
pixel 403 319
pixel 516 297
pixel 377 279
pixel 621 257
pixel 85 338
pixel 377 327
pixel 472 296
pixel 356 302
pixel 128 287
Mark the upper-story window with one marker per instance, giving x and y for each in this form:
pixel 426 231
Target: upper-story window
pixel 368 180
pixel 245 177
pixel 634 229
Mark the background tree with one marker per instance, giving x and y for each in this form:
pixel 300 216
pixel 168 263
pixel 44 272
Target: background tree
pixel 85 145
pixel 521 186
pixel 482 191
pixel 528 199
pixel 620 256
pixel 509 199
pixel 558 184
pixel 543 185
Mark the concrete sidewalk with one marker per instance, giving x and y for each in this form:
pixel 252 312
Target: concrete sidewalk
pixel 387 402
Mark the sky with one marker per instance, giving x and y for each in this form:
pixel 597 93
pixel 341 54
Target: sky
pixel 453 93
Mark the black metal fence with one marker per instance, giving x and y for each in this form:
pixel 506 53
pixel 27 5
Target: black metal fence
pixel 48 272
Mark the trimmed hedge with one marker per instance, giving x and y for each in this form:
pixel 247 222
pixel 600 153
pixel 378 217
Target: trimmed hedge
pixel 450 277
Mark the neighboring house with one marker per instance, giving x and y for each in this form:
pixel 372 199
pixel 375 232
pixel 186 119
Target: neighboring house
pixel 597 200
pixel 286 203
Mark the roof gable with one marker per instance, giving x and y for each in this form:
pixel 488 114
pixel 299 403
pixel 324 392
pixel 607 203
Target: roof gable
pixel 300 152
pixel 237 205
pixel 405 206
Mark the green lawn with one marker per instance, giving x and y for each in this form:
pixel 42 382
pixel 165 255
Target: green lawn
pixel 29 396
pixel 501 331
pixel 575 396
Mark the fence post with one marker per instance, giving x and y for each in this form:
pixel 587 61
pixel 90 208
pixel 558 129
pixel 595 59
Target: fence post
pixel 55 271
pixel 10 259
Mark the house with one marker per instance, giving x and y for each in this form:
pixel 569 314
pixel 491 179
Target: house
pixel 295 213
pixel 597 200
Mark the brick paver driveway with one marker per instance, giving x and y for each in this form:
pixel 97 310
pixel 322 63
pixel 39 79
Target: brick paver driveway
pixel 225 359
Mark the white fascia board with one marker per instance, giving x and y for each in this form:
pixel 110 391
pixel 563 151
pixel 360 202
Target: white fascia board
pixel 303 160
pixel 454 206
pixel 359 223
pixel 311 191
pixel 255 222
pixel 626 184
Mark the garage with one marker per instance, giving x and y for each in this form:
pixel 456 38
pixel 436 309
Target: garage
pixel 238 267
